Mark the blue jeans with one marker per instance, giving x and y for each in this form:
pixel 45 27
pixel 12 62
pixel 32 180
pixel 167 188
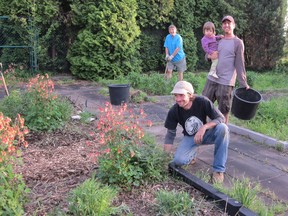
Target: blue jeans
pixel 218 135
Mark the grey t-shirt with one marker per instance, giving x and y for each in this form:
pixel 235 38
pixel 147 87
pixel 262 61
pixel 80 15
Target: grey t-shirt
pixel 230 63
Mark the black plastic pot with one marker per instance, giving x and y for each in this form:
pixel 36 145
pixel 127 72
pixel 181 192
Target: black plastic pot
pixel 119 93
pixel 245 103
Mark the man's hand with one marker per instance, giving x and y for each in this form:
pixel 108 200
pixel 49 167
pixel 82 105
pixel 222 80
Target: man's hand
pixel 170 58
pixel 166 58
pixel 198 138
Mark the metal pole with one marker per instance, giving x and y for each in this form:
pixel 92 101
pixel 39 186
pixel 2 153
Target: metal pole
pixel 3 79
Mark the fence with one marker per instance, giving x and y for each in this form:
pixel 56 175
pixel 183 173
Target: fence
pixel 18 43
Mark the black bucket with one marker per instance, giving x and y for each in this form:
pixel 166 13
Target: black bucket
pixel 245 103
pixel 119 93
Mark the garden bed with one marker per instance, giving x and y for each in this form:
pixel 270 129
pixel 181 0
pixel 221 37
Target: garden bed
pixel 55 163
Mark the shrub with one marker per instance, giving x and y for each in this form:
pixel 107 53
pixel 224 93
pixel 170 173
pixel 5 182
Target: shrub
pixel 152 50
pixel 107 45
pixel 124 159
pixel 41 108
pixel 282 65
pixel 12 187
pixel 13 191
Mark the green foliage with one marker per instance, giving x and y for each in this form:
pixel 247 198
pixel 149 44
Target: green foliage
pixel 46 115
pixel 269 120
pixel 42 25
pixel 279 147
pixel 92 198
pixel 185 22
pixel 251 79
pixel 108 44
pixel 152 50
pixel 155 84
pixel 86 117
pixel 13 191
pixel 247 193
pixel 282 65
pixel 174 203
pixel 153 13
pixel 269 81
pixel 138 96
pixel 151 159
pixel 41 109
pixel 124 159
pixel 13 104
pixel 103 36
pixel 270 17
pixel 190 48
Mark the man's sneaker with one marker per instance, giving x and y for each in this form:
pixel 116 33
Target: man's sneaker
pixel 217 177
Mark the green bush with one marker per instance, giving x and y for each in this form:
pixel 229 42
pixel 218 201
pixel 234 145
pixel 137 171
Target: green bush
pixel 152 50
pixel 13 191
pixel 41 109
pixel 127 157
pixel 107 45
pixel 151 160
pixel 12 105
pixel 46 115
pixel 282 66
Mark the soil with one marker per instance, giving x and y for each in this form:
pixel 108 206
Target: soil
pixel 55 163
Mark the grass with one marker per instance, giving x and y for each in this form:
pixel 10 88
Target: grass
pixel 93 198
pixel 269 81
pixel 270 119
pixel 271 116
pixel 248 193
pixel 174 203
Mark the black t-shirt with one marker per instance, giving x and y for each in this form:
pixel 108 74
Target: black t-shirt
pixel 191 120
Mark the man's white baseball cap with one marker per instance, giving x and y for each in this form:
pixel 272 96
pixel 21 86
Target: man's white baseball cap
pixel 183 87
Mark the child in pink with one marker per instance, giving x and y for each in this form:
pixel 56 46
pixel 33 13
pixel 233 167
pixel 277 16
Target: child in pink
pixel 210 44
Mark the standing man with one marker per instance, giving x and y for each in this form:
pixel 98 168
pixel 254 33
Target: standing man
pixel 191 112
pixel 230 65
pixel 175 55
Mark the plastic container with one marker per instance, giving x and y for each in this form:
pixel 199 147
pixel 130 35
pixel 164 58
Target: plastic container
pixel 245 103
pixel 119 93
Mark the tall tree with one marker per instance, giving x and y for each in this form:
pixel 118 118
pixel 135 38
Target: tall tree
pixel 108 44
pixel 47 22
pixel 264 35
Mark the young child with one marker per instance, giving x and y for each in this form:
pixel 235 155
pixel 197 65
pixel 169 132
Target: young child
pixel 210 44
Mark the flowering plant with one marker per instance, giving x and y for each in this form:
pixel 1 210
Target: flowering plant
pixel 41 108
pixel 13 190
pixel 11 136
pixel 45 111
pixel 121 158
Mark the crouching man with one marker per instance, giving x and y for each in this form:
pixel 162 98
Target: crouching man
pixel 191 112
